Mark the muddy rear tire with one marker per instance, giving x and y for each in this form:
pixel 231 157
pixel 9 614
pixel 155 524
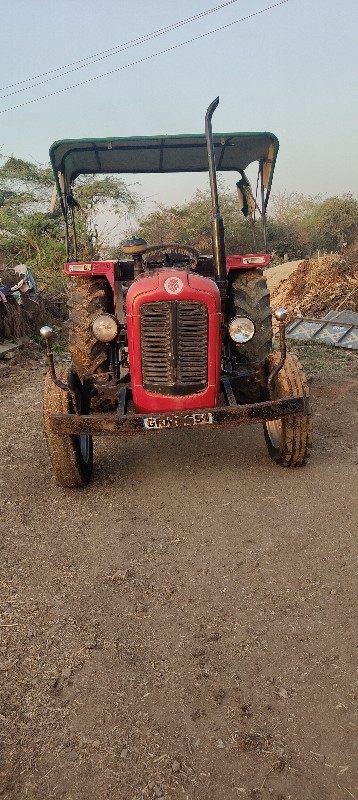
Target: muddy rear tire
pixel 250 296
pixel 289 440
pixel 71 456
pixel 87 299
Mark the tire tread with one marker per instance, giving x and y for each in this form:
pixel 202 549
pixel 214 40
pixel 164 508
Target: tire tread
pixel 87 299
pixel 291 381
pixel 250 295
pixel 67 462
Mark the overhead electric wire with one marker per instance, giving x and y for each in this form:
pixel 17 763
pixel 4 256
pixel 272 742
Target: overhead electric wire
pixel 103 54
pixel 144 58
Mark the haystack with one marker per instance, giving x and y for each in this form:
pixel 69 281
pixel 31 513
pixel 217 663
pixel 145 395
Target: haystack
pixel 320 285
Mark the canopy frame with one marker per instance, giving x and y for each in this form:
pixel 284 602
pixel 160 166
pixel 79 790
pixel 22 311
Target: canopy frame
pixel 71 158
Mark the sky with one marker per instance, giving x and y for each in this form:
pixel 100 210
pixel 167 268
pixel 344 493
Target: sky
pixel 291 70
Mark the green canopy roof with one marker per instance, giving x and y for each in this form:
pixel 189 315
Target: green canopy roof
pixel 156 154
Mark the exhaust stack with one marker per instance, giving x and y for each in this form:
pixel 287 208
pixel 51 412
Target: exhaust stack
pixel 217 223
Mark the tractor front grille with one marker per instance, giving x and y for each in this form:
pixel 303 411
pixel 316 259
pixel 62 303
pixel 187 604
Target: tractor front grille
pixel 174 346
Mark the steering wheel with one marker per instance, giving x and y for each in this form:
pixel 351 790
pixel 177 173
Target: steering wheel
pixel 170 255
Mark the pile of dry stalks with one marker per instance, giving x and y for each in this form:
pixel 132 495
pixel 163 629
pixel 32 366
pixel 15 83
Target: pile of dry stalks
pixel 320 285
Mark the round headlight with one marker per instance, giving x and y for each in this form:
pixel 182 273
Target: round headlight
pixel 105 328
pixel 241 329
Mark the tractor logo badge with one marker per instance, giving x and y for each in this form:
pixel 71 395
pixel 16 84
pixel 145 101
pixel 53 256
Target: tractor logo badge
pixel 173 285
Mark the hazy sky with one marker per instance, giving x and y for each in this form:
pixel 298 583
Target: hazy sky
pixel 292 70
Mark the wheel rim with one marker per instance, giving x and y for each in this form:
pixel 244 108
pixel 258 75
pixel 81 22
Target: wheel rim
pixel 84 443
pixel 274 430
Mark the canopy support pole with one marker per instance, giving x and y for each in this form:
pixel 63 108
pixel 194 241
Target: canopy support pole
pixel 74 232
pixel 263 205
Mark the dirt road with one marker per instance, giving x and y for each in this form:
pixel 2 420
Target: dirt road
pixel 186 626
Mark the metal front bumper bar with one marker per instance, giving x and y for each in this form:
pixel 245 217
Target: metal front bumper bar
pixel 126 424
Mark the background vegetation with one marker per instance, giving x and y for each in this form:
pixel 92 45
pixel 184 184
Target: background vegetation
pixel 29 233
pixel 297 225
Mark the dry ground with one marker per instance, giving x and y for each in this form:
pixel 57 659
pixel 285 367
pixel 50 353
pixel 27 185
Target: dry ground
pixel 186 626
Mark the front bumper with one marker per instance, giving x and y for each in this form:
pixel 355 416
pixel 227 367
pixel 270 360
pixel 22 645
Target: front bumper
pixel 121 423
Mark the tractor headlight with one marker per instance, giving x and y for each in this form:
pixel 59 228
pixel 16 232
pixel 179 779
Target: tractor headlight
pixel 241 329
pixel 105 327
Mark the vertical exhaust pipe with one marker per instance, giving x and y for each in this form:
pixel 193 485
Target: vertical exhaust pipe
pixel 217 223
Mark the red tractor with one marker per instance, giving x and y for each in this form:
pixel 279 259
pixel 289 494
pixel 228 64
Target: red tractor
pixel 169 338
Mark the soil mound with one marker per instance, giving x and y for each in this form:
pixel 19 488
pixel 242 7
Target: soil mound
pixel 17 321
pixel 322 284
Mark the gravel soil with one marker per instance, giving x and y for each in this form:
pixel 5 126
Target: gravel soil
pixel 185 627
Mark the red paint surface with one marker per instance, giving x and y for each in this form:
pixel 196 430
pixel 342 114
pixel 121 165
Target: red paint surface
pixel 150 289
pixel 243 261
pixel 104 268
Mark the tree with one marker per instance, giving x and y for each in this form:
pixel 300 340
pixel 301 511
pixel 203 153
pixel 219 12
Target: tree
pixel 300 225
pixel 190 224
pixel 285 238
pixel 335 222
pixel 30 233
pixel 289 224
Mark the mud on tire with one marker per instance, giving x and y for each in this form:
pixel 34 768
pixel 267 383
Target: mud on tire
pixel 87 299
pixel 289 440
pixel 71 456
pixel 249 295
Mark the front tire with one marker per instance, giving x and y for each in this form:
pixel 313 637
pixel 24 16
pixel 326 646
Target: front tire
pixel 289 440
pixel 71 456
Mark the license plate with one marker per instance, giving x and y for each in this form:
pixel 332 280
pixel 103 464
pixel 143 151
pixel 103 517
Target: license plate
pixel 186 421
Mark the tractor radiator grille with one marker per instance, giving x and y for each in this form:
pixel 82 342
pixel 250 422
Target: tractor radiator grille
pixel 174 345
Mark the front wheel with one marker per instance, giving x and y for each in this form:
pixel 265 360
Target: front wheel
pixel 289 440
pixel 71 456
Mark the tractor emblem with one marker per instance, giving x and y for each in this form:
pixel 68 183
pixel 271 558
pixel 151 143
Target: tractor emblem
pixel 173 285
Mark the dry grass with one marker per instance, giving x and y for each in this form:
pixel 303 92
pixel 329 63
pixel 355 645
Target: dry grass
pixel 319 285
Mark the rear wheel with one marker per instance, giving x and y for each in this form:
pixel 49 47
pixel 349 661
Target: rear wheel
pixel 87 299
pixel 71 456
pixel 250 296
pixel 289 440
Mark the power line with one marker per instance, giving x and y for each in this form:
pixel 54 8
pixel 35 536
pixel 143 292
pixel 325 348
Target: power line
pixel 101 56
pixel 144 58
